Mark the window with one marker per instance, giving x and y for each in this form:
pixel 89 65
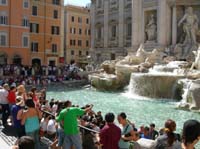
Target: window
pixel 55 14
pixel 87 53
pixel 99 33
pixel 87 21
pixel 79 42
pixel 34 28
pixel 72 42
pixel 73 30
pixel 55 30
pixel 79 20
pixel 73 19
pixel 114 31
pixel 4 20
pixel 72 52
pixel 80 31
pixel 3 39
pixel 25 40
pixel 56 2
pixel 34 10
pixel 112 56
pixel 87 43
pixel 129 29
pixel 99 3
pixel 25 4
pixel 3 2
pixel 54 48
pixel 80 53
pixel 89 32
pixel 25 22
pixel 34 47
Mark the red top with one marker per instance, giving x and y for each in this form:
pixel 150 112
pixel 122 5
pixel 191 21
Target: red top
pixel 110 136
pixel 11 97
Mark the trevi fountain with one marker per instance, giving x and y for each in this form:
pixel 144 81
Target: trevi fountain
pixel 160 76
pixel 164 60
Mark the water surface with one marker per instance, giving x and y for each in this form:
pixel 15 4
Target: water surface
pixel 140 111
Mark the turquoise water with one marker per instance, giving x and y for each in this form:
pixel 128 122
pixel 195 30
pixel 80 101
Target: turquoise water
pixel 139 111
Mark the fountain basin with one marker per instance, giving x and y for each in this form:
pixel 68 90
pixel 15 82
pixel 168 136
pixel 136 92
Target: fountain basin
pixel 160 85
pixel 104 81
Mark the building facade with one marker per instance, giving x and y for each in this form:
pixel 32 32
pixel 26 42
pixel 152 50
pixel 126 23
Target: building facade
pixel 31 32
pixel 111 23
pixel 46 32
pixel 77 34
pixel 121 26
pixel 14 32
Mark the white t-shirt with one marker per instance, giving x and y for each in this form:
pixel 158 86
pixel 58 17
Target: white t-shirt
pixel 3 96
pixel 43 125
pixel 54 108
pixel 51 126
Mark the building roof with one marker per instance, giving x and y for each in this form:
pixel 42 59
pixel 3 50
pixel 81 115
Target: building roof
pixel 77 9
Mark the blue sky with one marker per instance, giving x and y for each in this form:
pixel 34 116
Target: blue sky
pixel 77 2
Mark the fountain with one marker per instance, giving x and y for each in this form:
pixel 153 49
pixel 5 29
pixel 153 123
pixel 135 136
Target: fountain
pixel 152 74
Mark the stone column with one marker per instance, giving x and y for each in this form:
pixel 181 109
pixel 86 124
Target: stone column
pixel 136 24
pixel 106 27
pixel 121 23
pixel 92 15
pixel 162 24
pixel 174 26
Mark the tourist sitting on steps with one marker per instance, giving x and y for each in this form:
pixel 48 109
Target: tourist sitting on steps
pixel 128 133
pixel 191 134
pixel 168 139
pixel 70 115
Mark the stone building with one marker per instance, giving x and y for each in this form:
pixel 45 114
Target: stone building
pixel 111 29
pixel 155 24
pixel 77 34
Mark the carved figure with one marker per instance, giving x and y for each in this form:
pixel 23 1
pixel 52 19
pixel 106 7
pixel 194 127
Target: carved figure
pixel 151 29
pixel 190 26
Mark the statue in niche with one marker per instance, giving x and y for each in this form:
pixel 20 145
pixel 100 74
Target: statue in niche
pixel 151 29
pixel 190 26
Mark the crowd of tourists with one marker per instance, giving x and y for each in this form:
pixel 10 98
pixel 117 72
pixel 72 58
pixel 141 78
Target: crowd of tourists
pixel 69 126
pixel 37 75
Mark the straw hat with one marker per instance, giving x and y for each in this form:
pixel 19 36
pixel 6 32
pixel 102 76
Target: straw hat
pixel 19 101
pixel 21 89
pixel 6 86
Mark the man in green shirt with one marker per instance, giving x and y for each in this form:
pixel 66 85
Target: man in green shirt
pixel 69 116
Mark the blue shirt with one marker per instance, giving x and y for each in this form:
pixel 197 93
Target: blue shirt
pixel 14 110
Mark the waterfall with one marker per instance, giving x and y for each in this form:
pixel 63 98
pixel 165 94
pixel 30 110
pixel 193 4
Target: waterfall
pixel 153 85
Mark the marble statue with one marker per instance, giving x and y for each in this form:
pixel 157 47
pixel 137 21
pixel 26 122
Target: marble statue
pixel 151 29
pixel 196 63
pixel 190 26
